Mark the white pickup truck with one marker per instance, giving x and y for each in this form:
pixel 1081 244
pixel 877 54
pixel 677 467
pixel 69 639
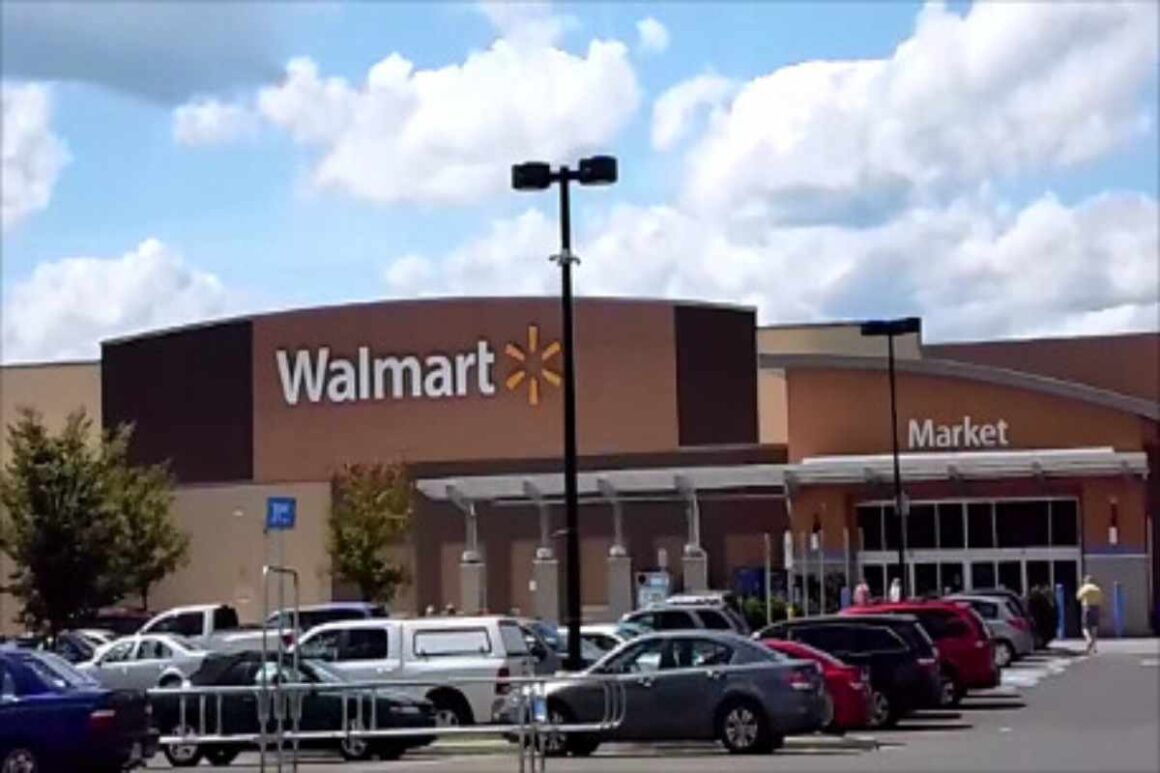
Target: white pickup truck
pixel 214 627
pixel 439 649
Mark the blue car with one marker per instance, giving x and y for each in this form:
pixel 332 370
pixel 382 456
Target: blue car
pixel 54 719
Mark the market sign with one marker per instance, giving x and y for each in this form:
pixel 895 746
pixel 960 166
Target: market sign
pixel 968 433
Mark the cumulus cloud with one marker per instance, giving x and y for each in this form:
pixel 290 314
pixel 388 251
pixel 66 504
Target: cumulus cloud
pixel 66 307
pixel 677 108
pixel 161 51
pixel 206 121
pixel 32 155
pixel 1008 88
pixel 970 268
pixel 448 135
pixel 652 36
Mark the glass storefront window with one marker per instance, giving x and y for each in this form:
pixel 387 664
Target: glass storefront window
pixel 1064 523
pixel 870 525
pixel 926 579
pixel 980 529
pixel 983 574
pixel 890 528
pixel 950 525
pixel 875 579
pixel 950 577
pixel 1021 523
pixel 920 527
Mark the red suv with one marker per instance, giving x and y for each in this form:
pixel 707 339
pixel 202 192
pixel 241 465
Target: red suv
pixel 965 650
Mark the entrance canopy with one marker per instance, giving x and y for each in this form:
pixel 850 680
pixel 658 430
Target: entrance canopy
pixel 654 480
pixel 963 465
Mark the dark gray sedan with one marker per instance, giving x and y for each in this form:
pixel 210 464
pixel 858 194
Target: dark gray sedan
pixel 682 685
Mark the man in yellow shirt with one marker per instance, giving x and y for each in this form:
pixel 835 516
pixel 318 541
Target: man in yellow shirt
pixel 1091 598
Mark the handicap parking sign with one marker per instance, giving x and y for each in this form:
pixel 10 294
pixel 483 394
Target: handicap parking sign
pixel 281 512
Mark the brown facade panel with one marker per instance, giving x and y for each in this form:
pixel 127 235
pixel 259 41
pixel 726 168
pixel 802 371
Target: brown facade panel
pixel 470 379
pixel 716 375
pixel 189 395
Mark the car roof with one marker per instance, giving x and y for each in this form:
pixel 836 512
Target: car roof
pixel 698 633
pixel 917 605
pixel 866 619
pixel 451 622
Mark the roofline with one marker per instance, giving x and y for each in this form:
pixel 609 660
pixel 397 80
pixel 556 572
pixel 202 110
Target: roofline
pixel 969 371
pixel 1050 338
pixel 825 324
pixel 48 364
pixel 674 302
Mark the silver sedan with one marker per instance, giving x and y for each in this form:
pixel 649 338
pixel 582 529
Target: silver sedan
pixel 141 662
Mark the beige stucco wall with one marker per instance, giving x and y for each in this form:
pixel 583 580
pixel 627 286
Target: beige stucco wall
pixel 838 339
pixel 225 524
pixel 772 408
pixel 55 390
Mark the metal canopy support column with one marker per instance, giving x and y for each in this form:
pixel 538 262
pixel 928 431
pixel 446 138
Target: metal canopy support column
pixel 695 561
pixel 545 567
pixel 619 561
pixel 472 572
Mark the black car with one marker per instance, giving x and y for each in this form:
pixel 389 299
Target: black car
pixel 903 664
pixel 321 711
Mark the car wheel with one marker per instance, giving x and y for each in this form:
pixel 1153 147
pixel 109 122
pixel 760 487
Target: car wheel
pixel 20 760
pixel 354 748
pixel 743 728
pixel 881 710
pixel 170 681
pixel 555 744
pixel 950 694
pixel 451 709
pixel 222 755
pixel 1004 653
pixel 182 755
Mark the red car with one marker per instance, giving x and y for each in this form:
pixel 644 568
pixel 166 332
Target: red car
pixel 965 650
pixel 848 686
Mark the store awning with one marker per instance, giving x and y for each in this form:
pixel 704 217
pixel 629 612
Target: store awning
pixel 1053 463
pixel 663 480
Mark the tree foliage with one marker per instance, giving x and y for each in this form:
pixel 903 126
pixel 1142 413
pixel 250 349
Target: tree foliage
pixel 82 526
pixel 370 511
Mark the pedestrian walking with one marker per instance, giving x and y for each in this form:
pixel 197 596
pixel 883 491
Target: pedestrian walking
pixel 1091 598
pixel 896 590
pixel 861 593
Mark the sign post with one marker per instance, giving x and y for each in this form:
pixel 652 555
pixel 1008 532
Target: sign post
pixel 281 515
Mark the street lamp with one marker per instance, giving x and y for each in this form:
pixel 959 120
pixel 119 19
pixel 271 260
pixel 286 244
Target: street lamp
pixel 890 328
pixel 537 176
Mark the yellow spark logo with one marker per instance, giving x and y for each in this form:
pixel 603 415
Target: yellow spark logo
pixel 532 365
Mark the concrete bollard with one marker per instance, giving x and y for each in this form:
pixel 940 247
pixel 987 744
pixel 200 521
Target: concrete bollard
pixel 1118 609
pixel 844 597
pixel 1059 610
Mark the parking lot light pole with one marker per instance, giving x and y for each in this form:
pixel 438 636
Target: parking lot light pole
pixel 537 176
pixel 890 329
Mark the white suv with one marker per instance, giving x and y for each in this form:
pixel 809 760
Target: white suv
pixel 436 648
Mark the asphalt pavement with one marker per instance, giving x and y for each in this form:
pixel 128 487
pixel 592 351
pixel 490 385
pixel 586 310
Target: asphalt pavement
pixel 1057 711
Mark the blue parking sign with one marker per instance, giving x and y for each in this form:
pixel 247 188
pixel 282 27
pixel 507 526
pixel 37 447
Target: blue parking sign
pixel 281 513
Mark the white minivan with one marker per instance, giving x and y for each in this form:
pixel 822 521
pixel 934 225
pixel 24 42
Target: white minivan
pixel 438 648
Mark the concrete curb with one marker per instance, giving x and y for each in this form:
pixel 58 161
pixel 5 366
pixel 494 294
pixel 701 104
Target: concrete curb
pixel 860 742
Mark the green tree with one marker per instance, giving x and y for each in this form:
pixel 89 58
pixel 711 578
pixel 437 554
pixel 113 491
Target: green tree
pixel 370 511
pixel 150 546
pixel 58 524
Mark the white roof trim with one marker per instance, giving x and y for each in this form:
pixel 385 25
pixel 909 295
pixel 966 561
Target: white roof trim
pixel 625 481
pixel 971 464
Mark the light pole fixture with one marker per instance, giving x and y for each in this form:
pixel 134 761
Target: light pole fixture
pixel 537 176
pixel 889 329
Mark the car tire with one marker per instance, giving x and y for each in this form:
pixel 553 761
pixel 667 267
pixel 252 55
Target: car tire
pixel 743 728
pixel 355 749
pixel 1004 653
pixel 169 681
pixel 21 759
pixel 222 755
pixel 950 692
pixel 182 755
pixel 451 709
pixel 882 711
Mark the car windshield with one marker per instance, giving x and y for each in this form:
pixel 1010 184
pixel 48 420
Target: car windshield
pixel 58 672
pixel 320 672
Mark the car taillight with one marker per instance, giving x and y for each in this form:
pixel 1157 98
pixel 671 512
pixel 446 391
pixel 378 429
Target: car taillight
pixel 102 720
pixel 802 678
pixel 502 686
pixel 288 639
pixel 1021 624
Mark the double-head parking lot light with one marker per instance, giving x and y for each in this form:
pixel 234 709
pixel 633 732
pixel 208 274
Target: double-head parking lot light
pixel 537 176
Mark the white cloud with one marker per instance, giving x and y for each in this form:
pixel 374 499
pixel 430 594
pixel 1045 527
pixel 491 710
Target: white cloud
pixel 652 36
pixel 66 307
pixel 971 268
pixel 449 135
pixel 32 155
pixel 206 121
pixel 677 107
pixel 1008 88
pixel 529 23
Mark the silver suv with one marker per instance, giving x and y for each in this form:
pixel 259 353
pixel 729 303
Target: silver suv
pixel 683 616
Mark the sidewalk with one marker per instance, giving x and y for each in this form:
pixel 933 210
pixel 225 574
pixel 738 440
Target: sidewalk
pixel 1140 646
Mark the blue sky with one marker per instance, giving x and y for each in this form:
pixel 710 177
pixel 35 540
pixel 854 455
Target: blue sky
pixel 239 220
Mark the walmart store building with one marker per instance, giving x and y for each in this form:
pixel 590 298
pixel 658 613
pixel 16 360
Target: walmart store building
pixel 1026 462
